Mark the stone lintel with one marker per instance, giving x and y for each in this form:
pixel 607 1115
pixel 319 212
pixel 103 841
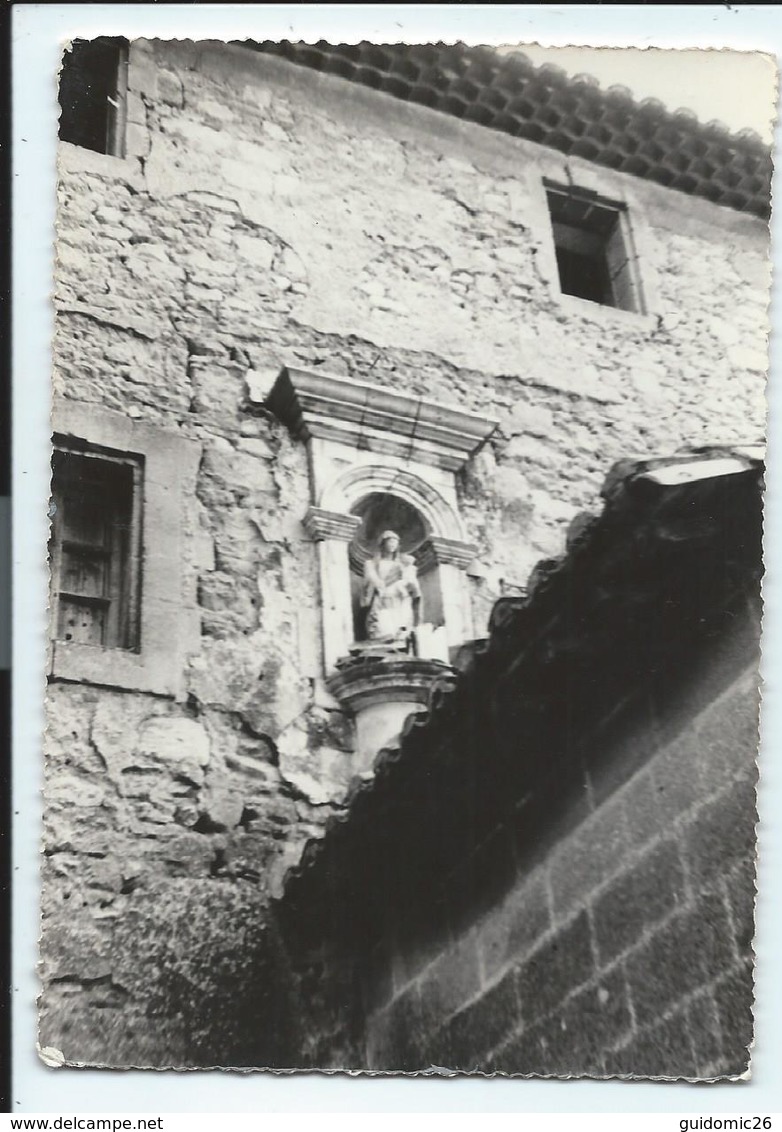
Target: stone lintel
pixel 321 524
pixel 438 551
pixel 375 418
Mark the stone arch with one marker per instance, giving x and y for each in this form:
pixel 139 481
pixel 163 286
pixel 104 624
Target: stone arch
pixel 353 485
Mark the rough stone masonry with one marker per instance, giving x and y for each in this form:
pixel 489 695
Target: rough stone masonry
pixel 265 215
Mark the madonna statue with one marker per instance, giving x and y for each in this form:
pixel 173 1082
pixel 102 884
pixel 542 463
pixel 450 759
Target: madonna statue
pixel 391 595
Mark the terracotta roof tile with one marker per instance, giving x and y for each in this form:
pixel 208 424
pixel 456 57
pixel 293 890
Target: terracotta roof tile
pixel 544 105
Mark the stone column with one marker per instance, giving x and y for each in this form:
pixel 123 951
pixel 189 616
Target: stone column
pixel 333 531
pixel 441 566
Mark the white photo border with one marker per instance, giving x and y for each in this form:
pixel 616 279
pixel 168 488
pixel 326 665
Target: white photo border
pixel 37 30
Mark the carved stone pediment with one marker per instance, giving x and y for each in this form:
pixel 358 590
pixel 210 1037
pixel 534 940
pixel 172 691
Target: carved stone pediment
pixel 373 418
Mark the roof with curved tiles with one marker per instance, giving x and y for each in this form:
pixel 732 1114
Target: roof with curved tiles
pixel 575 115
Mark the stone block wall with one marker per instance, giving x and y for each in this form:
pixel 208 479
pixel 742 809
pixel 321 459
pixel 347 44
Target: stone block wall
pixel 266 214
pixel 623 943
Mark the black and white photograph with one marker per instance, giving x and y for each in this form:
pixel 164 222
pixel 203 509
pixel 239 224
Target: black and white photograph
pixel 408 418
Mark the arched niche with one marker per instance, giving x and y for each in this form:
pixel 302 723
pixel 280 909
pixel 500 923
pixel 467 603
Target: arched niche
pixel 379 512
pixel 366 444
pixel 349 487
pixel 373 497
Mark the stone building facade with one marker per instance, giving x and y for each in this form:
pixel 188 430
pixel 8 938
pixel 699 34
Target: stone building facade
pixel 283 299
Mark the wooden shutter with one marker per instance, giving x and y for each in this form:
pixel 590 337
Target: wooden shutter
pixel 96 548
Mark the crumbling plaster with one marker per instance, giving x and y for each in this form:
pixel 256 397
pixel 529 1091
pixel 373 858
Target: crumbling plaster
pixel 266 214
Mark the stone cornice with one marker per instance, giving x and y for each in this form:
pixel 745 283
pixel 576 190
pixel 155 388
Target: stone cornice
pixel 438 551
pixel 321 524
pixel 374 418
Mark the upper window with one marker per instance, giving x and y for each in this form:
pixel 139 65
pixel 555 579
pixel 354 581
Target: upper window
pixel 594 249
pixel 95 547
pixel 93 93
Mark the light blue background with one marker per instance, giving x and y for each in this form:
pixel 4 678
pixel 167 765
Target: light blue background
pixel 37 31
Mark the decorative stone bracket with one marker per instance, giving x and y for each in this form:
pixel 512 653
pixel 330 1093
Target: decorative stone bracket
pixel 381 694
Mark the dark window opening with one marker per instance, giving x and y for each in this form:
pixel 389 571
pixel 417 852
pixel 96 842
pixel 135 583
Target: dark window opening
pixel 93 87
pixel 593 246
pixel 95 548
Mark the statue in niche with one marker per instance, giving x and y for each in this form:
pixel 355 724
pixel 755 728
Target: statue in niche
pixel 390 594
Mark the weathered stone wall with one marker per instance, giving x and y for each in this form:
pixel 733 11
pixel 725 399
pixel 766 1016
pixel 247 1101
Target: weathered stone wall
pixel 266 214
pixel 623 946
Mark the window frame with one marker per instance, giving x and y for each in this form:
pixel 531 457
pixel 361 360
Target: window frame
pixel 169 623
pixel 121 581
pixel 116 114
pixel 633 299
